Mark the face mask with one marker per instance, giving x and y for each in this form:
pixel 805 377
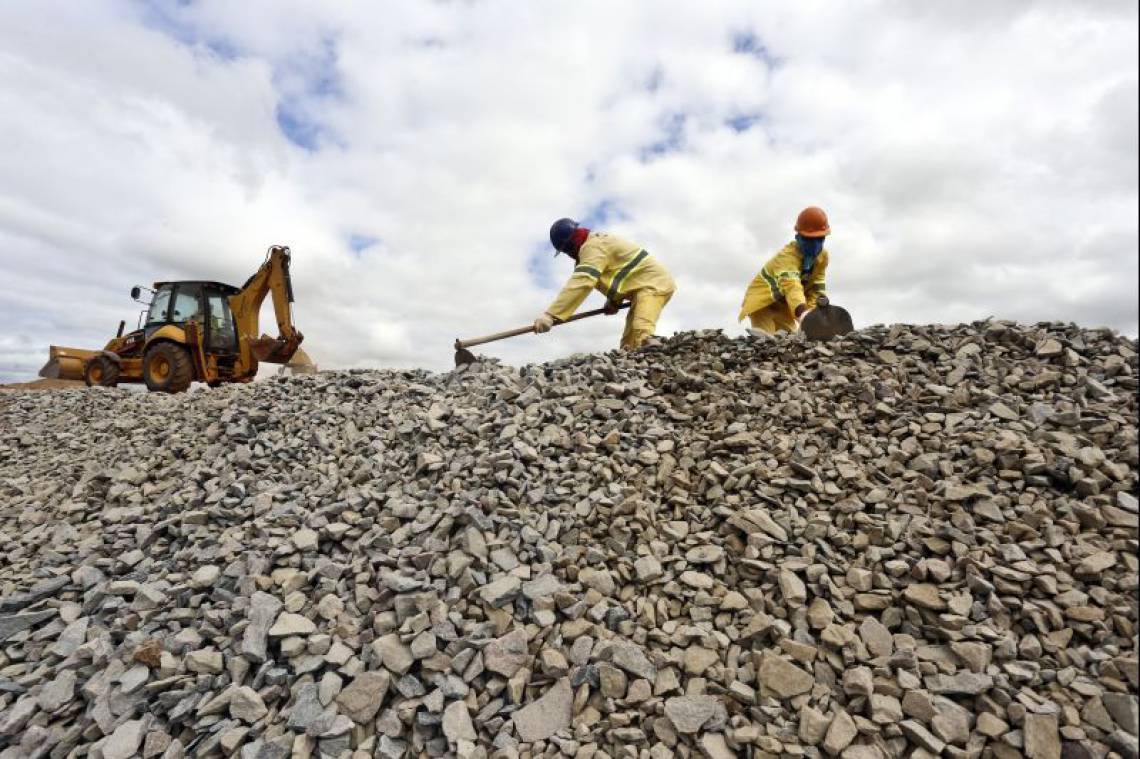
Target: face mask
pixel 810 248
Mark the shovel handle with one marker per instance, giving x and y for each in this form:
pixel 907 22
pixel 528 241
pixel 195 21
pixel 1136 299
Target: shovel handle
pixel 527 330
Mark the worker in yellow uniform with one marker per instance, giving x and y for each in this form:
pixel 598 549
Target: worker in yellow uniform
pixel 792 282
pixel 617 268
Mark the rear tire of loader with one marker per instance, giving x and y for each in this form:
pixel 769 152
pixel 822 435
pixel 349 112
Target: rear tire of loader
pixel 101 371
pixel 167 369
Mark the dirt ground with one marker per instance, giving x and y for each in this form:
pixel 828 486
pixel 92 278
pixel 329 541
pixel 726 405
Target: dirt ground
pixel 45 384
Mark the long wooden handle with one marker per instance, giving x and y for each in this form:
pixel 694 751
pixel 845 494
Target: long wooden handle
pixel 526 330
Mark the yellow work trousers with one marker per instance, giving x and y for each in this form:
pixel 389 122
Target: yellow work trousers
pixel 773 319
pixel 641 320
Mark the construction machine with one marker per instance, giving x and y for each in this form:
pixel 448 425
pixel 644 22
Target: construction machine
pixel 193 331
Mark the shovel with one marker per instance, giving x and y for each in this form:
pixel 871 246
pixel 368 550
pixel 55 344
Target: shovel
pixel 826 321
pixel 464 356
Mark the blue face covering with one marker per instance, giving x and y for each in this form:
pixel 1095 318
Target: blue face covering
pixel 810 248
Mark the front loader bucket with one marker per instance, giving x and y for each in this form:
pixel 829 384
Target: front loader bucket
pixel 66 363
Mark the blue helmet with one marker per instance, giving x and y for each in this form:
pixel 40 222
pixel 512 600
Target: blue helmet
pixel 560 233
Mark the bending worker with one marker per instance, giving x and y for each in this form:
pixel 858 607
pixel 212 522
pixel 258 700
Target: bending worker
pixel 792 282
pixel 619 269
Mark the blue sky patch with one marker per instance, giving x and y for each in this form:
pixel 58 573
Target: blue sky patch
pixel 673 127
pixel 358 243
pixel 223 49
pixel 749 43
pixel 162 16
pixel 605 212
pixel 305 80
pixel 167 17
pixel 744 121
pixel 540 267
pixel 306 83
pixel 322 74
pixel 296 126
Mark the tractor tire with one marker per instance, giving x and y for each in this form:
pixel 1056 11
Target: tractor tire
pixel 167 369
pixel 101 371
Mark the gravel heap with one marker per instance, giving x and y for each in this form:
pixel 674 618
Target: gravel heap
pixel 912 541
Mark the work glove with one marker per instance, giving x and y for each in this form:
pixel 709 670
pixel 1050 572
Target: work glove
pixel 611 308
pixel 543 323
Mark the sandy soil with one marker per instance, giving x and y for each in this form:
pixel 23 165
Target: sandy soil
pixel 45 384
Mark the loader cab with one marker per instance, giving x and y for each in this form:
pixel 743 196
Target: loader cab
pixel 206 303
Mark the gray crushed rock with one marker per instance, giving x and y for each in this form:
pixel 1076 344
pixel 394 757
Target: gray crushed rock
pixel 910 541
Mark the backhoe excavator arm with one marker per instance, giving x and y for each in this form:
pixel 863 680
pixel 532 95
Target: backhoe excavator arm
pixel 273 277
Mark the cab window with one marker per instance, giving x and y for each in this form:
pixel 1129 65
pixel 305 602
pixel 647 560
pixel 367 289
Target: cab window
pixel 221 335
pixel 187 305
pixel 159 307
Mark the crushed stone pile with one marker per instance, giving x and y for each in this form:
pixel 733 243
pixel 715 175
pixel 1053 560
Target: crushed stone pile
pixel 908 542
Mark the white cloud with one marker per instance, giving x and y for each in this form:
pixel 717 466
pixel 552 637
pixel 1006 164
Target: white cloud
pixel 976 160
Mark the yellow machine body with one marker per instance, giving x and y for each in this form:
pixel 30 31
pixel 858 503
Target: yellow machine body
pixel 195 331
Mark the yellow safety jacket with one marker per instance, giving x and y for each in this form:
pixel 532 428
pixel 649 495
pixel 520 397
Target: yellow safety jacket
pixel 616 267
pixel 781 281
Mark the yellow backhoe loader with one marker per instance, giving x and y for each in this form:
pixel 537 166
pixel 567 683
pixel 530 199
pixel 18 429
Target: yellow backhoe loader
pixel 193 332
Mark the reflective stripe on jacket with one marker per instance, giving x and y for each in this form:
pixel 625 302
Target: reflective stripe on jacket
pixel 617 268
pixel 782 281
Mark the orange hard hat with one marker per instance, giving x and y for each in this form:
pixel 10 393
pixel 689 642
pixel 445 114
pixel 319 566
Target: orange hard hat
pixel 812 222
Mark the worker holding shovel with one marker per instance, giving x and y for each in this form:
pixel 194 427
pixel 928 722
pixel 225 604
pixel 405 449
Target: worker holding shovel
pixel 617 268
pixel 792 282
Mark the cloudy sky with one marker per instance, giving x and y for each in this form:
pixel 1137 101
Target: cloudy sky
pixel 977 159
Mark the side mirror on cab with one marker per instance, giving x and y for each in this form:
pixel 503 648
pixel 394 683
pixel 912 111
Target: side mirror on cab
pixel 136 291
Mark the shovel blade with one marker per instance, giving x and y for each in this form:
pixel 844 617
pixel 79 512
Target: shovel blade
pixel 463 357
pixel 826 322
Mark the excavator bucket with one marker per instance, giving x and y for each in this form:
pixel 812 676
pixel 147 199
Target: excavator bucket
pixel 274 350
pixel 66 363
pixel 826 321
